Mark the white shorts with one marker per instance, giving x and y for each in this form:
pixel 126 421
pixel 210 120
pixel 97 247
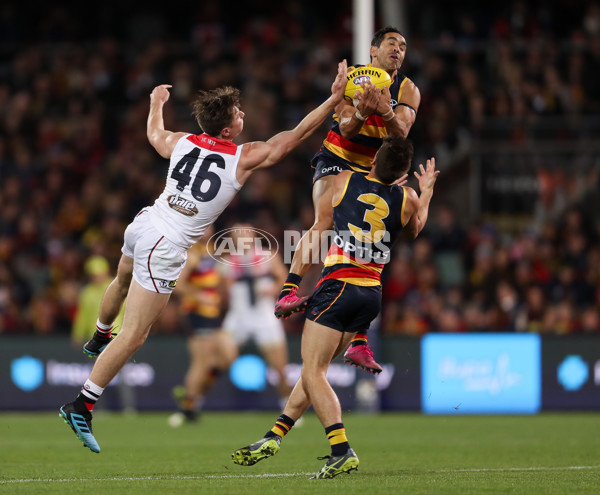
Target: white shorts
pixel 264 328
pixel 157 262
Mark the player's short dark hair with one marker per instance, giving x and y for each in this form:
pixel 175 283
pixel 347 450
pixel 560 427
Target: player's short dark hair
pixel 379 35
pixel 393 159
pixel 213 109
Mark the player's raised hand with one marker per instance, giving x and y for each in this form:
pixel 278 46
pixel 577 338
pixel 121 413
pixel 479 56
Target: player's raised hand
pixel 339 84
pixel 428 175
pixel 160 94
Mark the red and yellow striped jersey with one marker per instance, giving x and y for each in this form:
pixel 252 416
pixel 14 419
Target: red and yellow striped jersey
pixel 203 296
pixel 367 221
pixel 360 150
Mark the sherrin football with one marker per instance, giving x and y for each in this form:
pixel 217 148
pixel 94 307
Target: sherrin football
pixel 362 75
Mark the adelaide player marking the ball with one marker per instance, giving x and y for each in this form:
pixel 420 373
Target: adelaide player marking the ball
pixel 356 134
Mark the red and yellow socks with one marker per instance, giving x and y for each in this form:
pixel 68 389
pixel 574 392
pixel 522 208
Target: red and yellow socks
pixel 359 339
pixel 282 427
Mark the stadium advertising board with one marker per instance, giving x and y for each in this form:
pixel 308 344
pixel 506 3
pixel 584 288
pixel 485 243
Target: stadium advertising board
pixel 439 374
pixel 481 373
pixel 571 372
pixel 43 373
pixel 399 384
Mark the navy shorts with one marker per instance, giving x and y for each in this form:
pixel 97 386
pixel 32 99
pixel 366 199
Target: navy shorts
pixel 343 306
pixel 326 163
pixel 200 326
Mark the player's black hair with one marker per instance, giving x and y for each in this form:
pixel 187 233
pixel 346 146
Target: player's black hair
pixel 393 159
pixel 214 109
pixel 379 35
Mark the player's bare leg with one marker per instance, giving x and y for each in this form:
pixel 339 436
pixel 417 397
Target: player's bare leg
pixel 202 350
pixel 210 355
pixel 305 254
pixel 320 344
pixel 276 356
pixel 116 292
pixel 143 308
pixel 227 350
pixel 298 402
pixel 308 249
pixel 110 307
pixel 296 405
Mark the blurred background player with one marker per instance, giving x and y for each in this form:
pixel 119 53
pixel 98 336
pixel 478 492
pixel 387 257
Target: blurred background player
pixel 211 350
pixel 348 296
pixel 351 144
pixel 97 269
pixel 84 324
pixel 254 275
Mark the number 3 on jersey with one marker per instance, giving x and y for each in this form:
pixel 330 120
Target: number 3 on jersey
pixel 374 217
pixel 182 173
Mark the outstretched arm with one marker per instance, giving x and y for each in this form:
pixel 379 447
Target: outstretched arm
pixel 419 206
pixel 162 140
pixel 265 154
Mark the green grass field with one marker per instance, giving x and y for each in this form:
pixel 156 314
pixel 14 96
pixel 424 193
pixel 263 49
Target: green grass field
pixel 399 453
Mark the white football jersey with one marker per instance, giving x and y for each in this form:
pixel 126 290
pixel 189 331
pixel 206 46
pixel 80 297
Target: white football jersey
pixel 201 182
pixel 252 285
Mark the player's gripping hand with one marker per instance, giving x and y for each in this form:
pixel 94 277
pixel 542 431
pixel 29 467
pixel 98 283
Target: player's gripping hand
pixel 367 101
pixel 384 105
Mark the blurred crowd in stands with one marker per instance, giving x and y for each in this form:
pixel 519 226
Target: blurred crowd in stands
pixel 75 164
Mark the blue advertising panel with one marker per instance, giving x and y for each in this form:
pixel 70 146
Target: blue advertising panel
pixel 481 373
pixel 457 374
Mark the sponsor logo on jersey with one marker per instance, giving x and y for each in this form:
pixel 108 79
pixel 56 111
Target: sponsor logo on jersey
pixel 333 168
pixel 182 205
pixel 366 252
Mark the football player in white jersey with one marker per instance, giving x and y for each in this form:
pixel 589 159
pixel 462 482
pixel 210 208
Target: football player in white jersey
pixel 205 173
pixel 253 277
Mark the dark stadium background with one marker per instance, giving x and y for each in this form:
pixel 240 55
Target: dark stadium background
pixel 510 109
